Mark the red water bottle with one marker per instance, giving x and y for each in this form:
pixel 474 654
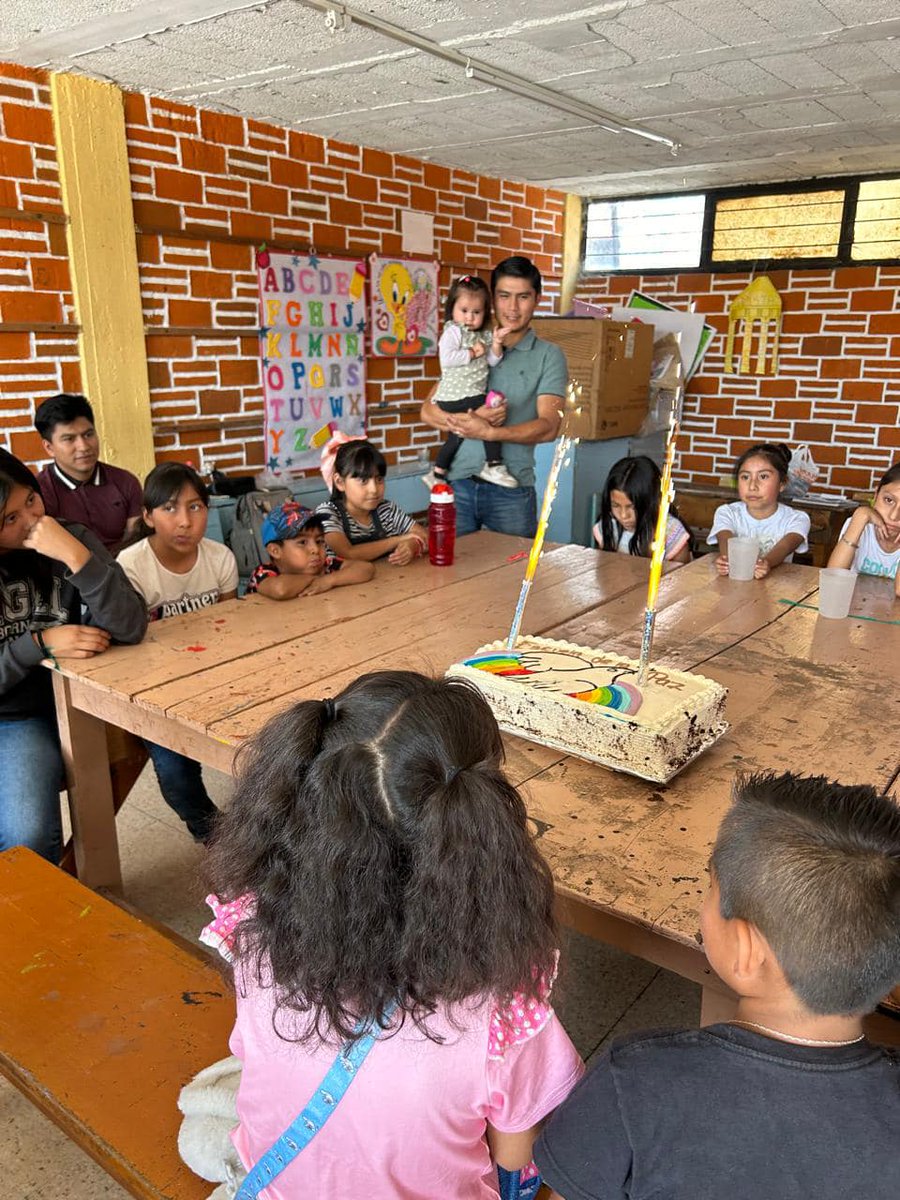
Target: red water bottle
pixel 441 525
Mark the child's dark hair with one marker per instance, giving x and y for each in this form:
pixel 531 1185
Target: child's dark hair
pixel 357 460
pixel 468 283
pixel 61 409
pixel 776 454
pixel 163 484
pixel 639 478
pixel 891 475
pixel 388 856
pixel 13 473
pixel 815 866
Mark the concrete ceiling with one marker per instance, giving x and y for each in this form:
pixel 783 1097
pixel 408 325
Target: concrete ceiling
pixel 753 90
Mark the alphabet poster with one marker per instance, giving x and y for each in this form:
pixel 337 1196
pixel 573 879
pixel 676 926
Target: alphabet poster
pixel 404 307
pixel 312 347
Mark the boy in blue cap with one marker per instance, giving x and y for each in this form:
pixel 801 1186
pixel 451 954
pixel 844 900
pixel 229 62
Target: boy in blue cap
pixel 300 563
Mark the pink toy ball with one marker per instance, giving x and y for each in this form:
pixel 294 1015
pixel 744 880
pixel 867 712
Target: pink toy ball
pixel 494 399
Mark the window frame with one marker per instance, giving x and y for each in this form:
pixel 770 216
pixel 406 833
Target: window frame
pixel 849 184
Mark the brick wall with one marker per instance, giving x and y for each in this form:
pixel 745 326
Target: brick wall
pixel 207 187
pixel 838 381
pixel 38 337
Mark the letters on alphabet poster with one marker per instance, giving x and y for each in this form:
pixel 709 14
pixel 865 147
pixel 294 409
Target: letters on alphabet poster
pixel 312 347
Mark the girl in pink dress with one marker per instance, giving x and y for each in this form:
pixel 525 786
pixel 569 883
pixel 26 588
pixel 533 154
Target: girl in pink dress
pixel 376 865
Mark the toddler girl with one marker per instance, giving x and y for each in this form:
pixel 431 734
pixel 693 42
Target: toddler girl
pixel 870 540
pixel 375 873
pixel 761 473
pixel 629 508
pixel 52 573
pixel 467 350
pixel 177 570
pixel 358 522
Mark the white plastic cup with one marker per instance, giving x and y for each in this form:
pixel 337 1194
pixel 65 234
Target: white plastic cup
pixel 743 553
pixel 836 586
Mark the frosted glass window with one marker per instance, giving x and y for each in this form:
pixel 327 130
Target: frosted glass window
pixel 654 233
pixel 790 225
pixel 876 229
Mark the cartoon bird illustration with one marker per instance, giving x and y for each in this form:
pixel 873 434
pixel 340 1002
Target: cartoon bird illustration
pixel 396 289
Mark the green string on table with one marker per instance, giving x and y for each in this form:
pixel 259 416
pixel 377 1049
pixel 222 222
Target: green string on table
pixel 852 617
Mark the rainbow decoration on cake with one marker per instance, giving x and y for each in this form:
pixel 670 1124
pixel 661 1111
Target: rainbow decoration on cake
pixel 497 664
pixel 620 697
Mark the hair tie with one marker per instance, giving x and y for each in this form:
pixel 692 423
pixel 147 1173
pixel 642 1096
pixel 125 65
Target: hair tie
pixel 330 710
pixel 330 451
pixel 451 775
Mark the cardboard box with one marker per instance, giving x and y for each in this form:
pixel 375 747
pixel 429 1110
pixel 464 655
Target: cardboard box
pixel 612 361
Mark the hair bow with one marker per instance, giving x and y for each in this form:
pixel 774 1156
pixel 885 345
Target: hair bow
pixel 329 454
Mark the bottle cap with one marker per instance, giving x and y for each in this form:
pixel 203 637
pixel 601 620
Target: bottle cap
pixel 442 493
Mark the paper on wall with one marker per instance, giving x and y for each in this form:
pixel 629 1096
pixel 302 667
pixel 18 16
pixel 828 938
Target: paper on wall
pixel 417 231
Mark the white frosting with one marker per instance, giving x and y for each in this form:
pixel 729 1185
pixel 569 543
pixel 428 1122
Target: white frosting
pixel 681 713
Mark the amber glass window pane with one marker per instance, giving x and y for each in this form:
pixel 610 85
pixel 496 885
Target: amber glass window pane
pixel 876 229
pixel 788 225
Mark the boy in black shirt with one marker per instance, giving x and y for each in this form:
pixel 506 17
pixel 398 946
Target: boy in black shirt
pixel 787 1101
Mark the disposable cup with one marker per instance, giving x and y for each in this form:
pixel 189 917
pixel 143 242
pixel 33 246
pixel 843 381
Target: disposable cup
pixel 836 586
pixel 743 553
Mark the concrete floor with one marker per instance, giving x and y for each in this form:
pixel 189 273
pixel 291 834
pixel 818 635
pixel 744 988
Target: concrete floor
pixel 603 993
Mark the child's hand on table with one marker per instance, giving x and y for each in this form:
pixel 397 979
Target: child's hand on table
pixel 406 550
pixel 722 564
pixel 75 641
pixel 762 568
pixel 321 583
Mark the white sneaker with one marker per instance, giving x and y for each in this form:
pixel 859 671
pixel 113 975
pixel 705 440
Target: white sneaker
pixel 497 473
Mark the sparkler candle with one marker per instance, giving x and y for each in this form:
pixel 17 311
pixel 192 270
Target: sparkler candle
pixel 563 446
pixel 657 558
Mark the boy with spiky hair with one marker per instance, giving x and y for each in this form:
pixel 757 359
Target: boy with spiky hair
pixel 788 1100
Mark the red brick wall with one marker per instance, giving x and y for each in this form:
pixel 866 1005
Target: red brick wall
pixel 248 179
pixel 200 180
pixel 838 381
pixel 36 359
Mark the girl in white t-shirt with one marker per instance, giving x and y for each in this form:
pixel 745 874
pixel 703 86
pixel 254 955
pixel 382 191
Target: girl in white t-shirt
pixel 629 507
pixel 177 570
pixel 761 473
pixel 870 540
pixel 376 867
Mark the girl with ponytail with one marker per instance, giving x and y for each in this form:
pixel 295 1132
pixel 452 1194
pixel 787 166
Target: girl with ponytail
pixel 378 889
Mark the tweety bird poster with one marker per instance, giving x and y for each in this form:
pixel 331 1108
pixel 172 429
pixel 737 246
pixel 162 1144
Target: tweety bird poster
pixel 404 314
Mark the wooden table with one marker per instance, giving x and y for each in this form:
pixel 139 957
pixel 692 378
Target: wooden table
pixel 805 694
pixel 629 857
pixel 202 683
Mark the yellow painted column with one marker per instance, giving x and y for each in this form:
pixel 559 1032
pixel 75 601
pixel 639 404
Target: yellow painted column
pixel 96 188
pixel 571 252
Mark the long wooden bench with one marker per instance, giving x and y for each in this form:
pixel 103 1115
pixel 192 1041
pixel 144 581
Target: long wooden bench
pixel 103 1017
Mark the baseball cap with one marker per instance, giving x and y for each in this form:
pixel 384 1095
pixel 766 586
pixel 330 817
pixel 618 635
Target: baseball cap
pixel 288 521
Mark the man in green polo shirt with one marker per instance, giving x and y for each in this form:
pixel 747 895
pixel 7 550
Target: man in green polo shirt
pixel 533 376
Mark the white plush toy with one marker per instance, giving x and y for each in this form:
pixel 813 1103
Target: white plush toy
pixel 204 1142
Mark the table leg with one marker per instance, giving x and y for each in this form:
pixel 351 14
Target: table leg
pixel 83 740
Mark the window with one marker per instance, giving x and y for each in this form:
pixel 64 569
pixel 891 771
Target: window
pixel 788 225
pixel 876 228
pixel 826 223
pixel 657 233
